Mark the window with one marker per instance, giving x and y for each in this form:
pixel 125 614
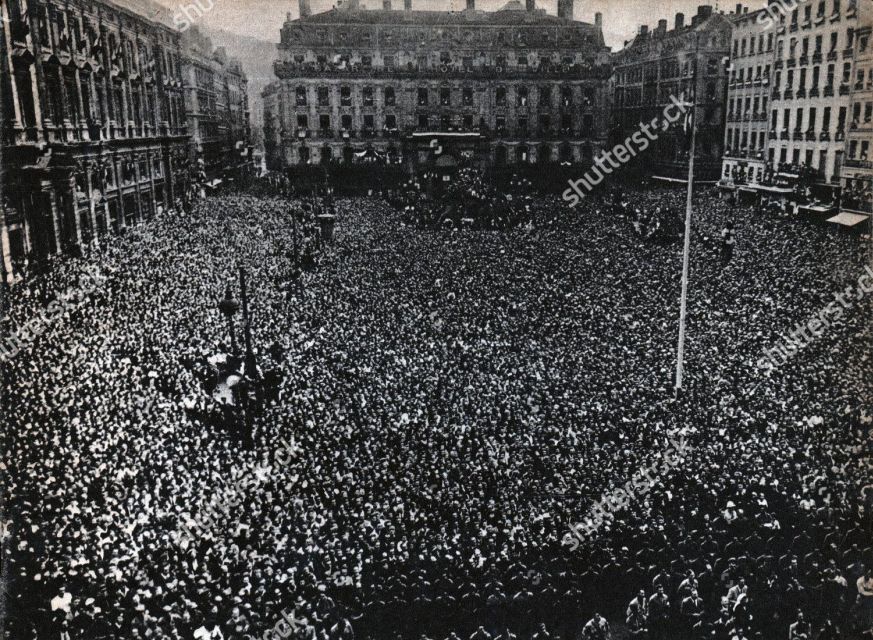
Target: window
pixel 467 122
pixel 391 122
pixel 445 96
pixel 500 96
pixel 422 97
pixel 545 123
pixel 389 96
pixel 369 122
pixel 367 61
pixel 302 121
pixel 522 126
pixel 301 96
pixel 389 62
pixel 346 121
pixel 445 122
pixel 826 120
pixel 545 96
pixel 323 97
pixel 467 97
pixel 500 124
pixel 566 122
pixel 467 62
pixel 566 96
pixel 521 96
pixel 324 122
pixel 422 121
pixel 368 96
pixel 345 96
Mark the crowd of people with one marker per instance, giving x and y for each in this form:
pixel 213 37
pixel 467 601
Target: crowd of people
pixel 457 401
pixel 465 199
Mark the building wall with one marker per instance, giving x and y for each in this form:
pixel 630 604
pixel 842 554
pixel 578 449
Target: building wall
pixel 811 94
pixel 748 100
pixel 344 86
pixel 216 104
pixel 659 64
pixel 857 170
pixel 93 128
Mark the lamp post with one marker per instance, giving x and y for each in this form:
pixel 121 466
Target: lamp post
pixel 229 307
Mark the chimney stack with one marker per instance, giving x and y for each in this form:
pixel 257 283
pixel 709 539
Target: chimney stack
pixel 704 11
pixel 739 10
pixel 598 19
pixel 407 5
pixel 644 30
pixel 386 5
pixel 305 10
pixel 680 20
pixel 662 27
pixel 530 5
pixel 565 9
pixel 471 5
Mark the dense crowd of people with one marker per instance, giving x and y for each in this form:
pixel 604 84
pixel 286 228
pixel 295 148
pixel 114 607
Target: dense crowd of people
pixel 458 400
pixel 465 199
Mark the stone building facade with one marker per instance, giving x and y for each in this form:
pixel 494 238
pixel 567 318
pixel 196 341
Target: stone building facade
pixel 857 171
pixel 748 99
pixel 94 129
pixel 217 108
pixel 813 79
pixel 510 86
pixel 660 63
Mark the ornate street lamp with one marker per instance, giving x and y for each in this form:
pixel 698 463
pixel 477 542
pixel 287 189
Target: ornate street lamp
pixel 229 308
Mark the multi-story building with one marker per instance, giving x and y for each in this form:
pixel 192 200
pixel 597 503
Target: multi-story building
pixel 662 63
pixel 510 86
pixel 857 170
pixel 93 123
pixel 748 108
pixel 216 105
pixel 812 86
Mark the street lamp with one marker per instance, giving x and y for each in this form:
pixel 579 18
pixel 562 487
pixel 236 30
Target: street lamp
pixel 229 308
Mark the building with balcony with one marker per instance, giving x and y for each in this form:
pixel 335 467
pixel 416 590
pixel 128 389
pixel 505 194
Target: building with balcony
pixel 813 77
pixel 857 171
pixel 94 130
pixel 661 63
pixel 510 86
pixel 748 100
pixel 216 107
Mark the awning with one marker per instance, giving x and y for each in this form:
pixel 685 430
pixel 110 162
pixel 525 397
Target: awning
pixel 848 219
pixel 682 180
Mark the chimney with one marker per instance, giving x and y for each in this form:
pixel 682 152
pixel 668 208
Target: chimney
pixel 704 11
pixel 680 20
pixel 565 9
pixel 739 10
pixel 471 5
pixel 662 27
pixel 407 5
pixel 530 5
pixel 644 30
pixel 386 5
pixel 305 10
pixel 598 19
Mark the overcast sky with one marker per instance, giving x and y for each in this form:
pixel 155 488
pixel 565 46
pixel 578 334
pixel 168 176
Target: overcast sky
pixel 621 18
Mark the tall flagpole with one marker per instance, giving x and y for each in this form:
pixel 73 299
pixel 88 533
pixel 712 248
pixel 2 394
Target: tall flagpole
pixel 686 254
